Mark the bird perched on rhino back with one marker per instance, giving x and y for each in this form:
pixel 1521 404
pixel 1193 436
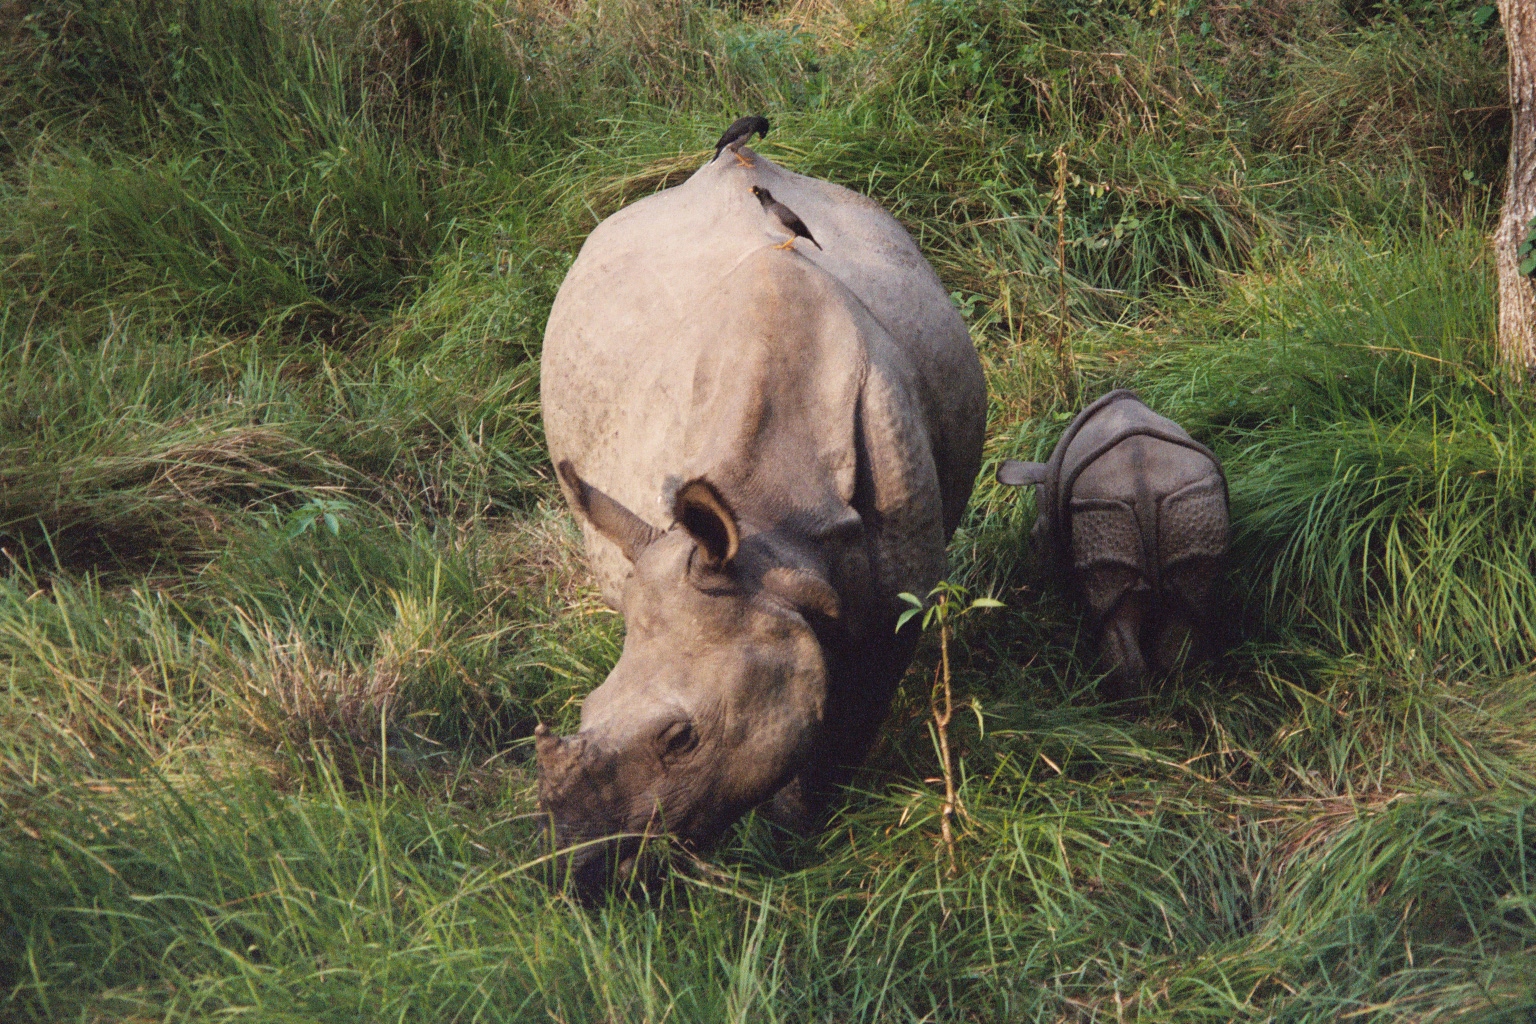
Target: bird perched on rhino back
pixel 792 223
pixel 741 129
pixel 763 452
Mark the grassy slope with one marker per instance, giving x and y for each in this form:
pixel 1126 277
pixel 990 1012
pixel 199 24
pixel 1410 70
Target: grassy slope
pixel 263 263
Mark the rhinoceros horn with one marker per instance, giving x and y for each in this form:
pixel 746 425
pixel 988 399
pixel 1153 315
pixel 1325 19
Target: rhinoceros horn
pixel 545 743
pixel 558 758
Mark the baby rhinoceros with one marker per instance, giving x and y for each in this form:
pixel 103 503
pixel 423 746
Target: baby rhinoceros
pixel 1133 511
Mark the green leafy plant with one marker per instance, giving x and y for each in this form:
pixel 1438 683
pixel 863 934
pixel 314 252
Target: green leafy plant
pixel 966 303
pixel 947 602
pixel 328 512
pixel 1527 250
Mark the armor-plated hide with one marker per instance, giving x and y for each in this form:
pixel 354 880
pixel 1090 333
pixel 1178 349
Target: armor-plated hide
pixel 764 447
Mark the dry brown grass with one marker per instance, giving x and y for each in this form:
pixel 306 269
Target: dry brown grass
pixel 611 193
pixel 296 694
pixel 543 554
pixel 1374 97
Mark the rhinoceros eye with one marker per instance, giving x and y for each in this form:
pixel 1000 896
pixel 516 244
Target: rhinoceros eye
pixel 675 740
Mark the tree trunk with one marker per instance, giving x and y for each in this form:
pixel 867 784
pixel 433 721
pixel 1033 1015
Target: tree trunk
pixel 1517 292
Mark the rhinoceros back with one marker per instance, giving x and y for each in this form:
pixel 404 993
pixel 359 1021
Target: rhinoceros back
pixel 683 343
pixel 1145 506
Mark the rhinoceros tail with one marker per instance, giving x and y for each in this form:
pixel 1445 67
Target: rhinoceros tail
pixel 1017 474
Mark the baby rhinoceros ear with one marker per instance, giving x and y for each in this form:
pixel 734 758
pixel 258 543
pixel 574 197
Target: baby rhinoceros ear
pixel 1016 474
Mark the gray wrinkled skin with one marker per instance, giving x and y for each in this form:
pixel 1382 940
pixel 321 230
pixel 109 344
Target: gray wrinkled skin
pixel 764 447
pixel 1133 511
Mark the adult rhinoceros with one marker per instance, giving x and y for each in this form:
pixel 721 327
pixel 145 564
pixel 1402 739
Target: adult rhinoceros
pixel 764 447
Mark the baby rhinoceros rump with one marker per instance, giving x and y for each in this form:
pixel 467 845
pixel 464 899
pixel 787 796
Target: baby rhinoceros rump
pixel 764 446
pixel 1134 512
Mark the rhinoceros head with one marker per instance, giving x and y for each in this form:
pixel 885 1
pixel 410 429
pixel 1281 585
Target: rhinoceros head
pixel 716 698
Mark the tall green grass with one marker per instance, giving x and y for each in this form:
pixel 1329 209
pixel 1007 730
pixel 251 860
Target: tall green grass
pixel 1384 461
pixel 267 262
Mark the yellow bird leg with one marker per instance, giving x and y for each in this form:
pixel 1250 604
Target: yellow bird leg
pixel 744 161
pixel 789 244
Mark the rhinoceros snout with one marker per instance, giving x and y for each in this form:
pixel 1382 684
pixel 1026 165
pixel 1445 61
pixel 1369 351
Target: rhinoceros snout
pixel 581 791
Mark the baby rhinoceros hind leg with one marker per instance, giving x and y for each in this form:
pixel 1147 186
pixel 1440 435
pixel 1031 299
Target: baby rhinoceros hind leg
pixel 1120 639
pixel 1192 545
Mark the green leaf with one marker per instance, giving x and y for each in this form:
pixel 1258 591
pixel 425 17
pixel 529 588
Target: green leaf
pixel 1484 15
pixel 1528 266
pixel 334 524
pixel 911 599
pixel 986 602
pixel 901 620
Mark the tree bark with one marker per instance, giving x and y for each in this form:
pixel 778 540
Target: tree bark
pixel 1517 292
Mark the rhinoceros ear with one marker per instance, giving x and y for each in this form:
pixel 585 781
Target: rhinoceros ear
pixel 631 533
pixel 699 509
pixel 1016 474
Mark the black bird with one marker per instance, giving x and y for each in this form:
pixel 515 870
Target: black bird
pixel 741 129
pixel 786 217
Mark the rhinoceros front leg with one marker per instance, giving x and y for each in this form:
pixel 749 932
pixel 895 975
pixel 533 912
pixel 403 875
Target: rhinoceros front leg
pixel 794 808
pixel 860 685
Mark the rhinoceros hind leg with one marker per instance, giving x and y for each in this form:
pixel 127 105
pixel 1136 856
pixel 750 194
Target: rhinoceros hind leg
pixel 1120 648
pixel 1177 640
